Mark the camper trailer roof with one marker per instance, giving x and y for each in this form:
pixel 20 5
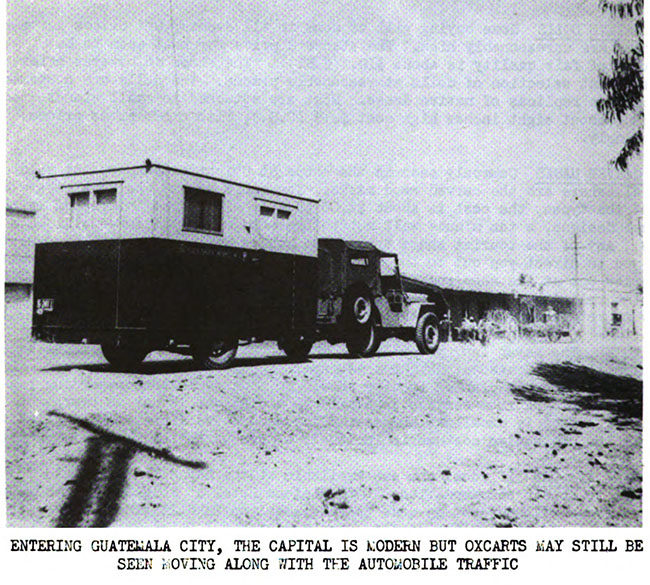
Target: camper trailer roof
pixel 149 165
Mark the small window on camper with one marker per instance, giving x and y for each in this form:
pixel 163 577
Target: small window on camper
pixel 267 211
pixel 105 196
pixel 202 210
pixel 359 261
pixel 273 222
pixel 79 199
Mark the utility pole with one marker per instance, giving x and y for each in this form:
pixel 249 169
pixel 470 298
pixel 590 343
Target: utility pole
pixel 576 247
pixel 580 303
pixel 603 298
pixel 575 255
pixel 576 252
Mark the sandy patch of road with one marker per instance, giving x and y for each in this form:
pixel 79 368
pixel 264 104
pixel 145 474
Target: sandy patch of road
pixel 472 436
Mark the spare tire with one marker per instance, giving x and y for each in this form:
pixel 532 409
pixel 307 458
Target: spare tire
pixel 357 306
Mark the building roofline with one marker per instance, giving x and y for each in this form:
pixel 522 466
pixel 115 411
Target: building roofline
pixel 582 279
pixel 626 288
pixel 149 165
pixel 96 172
pixel 22 210
pixel 468 285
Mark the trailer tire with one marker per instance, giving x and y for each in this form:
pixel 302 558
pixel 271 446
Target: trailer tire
pixel 124 356
pixel 296 348
pixel 427 334
pixel 215 355
pixel 363 341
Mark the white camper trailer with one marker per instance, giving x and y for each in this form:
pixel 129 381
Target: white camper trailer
pixel 153 257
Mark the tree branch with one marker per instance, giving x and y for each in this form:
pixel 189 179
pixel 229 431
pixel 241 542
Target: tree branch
pixel 622 9
pixel 632 146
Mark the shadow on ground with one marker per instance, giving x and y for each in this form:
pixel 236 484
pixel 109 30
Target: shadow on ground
pixel 96 491
pixel 587 388
pixel 188 365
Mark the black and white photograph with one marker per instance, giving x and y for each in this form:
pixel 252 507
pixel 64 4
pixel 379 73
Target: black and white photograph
pixel 303 264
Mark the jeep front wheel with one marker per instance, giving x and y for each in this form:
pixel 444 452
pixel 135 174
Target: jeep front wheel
pixel 427 334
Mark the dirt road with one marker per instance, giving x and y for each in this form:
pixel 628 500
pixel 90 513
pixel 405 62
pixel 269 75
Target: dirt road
pixel 523 434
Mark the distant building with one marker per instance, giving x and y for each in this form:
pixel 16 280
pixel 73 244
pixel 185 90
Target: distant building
pixel 19 250
pixel 474 298
pixel 598 308
pixel 609 309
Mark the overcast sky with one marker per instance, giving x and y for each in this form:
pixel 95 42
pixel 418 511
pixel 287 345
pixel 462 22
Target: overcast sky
pixel 462 135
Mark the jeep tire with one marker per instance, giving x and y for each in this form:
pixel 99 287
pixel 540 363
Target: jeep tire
pixel 427 333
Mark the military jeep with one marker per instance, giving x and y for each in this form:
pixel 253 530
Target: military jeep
pixel 362 300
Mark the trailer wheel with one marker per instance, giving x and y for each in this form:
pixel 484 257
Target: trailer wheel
pixel 215 355
pixel 427 334
pixel 123 356
pixel 363 341
pixel 297 347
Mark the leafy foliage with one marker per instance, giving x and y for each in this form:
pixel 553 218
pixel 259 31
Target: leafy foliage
pixel 623 88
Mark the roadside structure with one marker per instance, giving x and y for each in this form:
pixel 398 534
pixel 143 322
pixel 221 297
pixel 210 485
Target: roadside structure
pixel 599 308
pixel 19 251
pixel 610 309
pixel 470 298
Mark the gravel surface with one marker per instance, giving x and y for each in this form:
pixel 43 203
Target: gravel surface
pixel 510 434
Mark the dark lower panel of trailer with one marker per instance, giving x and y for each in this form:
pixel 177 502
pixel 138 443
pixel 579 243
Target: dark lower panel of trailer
pixel 170 289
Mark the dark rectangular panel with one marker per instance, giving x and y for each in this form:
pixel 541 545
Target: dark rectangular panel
pixel 81 280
